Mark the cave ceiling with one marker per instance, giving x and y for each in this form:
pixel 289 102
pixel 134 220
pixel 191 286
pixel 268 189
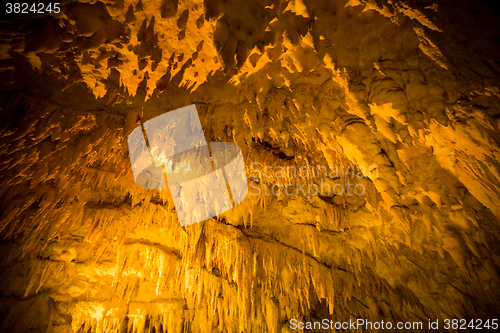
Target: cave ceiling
pixel 400 99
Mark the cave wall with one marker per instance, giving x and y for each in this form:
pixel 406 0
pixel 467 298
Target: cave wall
pixel 411 88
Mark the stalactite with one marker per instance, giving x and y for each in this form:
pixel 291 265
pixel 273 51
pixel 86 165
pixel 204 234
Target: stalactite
pixel 407 88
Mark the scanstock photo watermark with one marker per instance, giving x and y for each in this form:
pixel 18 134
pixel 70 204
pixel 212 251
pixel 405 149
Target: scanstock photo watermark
pixel 310 180
pixel 460 325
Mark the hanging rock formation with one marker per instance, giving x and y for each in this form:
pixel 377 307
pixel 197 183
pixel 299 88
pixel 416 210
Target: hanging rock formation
pixel 401 98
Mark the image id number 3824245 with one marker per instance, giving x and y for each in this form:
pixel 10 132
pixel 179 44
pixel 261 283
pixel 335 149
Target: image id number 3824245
pixel 474 324
pixel 32 8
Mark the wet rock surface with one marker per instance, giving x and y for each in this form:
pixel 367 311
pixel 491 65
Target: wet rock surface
pixel 410 88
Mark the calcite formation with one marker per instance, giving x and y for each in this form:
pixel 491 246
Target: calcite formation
pixel 398 98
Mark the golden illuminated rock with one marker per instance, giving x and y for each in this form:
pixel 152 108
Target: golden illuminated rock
pixel 370 135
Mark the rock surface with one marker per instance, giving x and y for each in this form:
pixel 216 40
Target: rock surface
pixel 405 92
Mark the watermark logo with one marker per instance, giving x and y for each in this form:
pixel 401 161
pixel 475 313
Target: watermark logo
pixel 309 180
pixel 204 180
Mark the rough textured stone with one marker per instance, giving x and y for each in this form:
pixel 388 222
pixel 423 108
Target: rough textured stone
pixel 410 87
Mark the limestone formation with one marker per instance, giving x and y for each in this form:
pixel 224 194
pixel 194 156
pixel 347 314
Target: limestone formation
pixel 395 105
